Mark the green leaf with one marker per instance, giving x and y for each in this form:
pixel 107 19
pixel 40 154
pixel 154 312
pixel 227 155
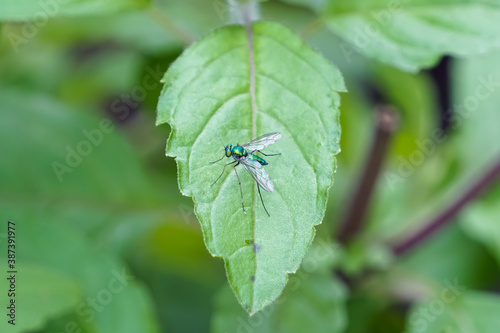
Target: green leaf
pixel 40 11
pixel 38 285
pixel 109 290
pixel 148 35
pixel 401 192
pixel 314 5
pixel 414 97
pixel 76 162
pixel 206 99
pixel 55 214
pixel 455 310
pixel 458 253
pixel 172 261
pixel 480 221
pixel 313 301
pixel 406 185
pixel 475 86
pixel 414 34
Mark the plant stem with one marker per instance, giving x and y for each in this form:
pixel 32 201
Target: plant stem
pixel 353 220
pixel 450 212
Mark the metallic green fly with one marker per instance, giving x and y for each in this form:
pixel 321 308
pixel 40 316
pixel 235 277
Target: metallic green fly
pixel 245 155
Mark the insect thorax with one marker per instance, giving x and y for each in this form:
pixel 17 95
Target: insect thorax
pixel 239 151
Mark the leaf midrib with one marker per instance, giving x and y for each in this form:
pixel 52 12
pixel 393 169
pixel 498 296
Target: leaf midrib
pixel 251 60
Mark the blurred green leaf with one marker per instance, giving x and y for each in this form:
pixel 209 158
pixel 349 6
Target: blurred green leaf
pixel 78 163
pixel 147 37
pixel 451 254
pixel 475 88
pixel 120 202
pixel 356 122
pixel 41 11
pixel 177 247
pixel 408 183
pixel 373 314
pixel 40 67
pixel 458 311
pixel 40 294
pixel 315 5
pixel 164 27
pixel 414 34
pixel 399 190
pixel 107 73
pixel 114 300
pixel 93 188
pixel 476 85
pixel 313 301
pixel 449 257
pixel 413 95
pixel 295 18
pixel 360 257
pixel 480 221
pixel 206 98
pixel 174 262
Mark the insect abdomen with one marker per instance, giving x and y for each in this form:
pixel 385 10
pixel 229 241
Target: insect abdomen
pixel 258 159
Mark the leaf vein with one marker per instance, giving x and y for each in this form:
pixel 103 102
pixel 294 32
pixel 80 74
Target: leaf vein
pixel 317 112
pixel 296 54
pixel 296 144
pixel 204 67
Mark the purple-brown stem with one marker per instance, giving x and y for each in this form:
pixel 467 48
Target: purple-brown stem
pixel 353 220
pixel 447 215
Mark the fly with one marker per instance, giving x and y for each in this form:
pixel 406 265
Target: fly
pixel 246 156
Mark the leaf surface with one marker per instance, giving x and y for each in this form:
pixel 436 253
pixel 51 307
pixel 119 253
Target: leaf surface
pixel 63 219
pixel 39 285
pixel 456 311
pixel 415 34
pixel 206 99
pixel 476 86
pixel 40 11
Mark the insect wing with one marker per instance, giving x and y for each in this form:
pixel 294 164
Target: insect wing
pixel 258 173
pixel 262 141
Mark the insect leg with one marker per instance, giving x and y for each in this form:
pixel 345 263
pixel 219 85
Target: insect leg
pixel 218 159
pixel 223 172
pixel 241 191
pixel 267 154
pixel 258 188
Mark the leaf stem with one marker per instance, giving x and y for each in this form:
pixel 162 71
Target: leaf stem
pixel 447 215
pixel 353 220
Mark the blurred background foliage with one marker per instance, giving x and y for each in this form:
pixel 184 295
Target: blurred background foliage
pixel 110 245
